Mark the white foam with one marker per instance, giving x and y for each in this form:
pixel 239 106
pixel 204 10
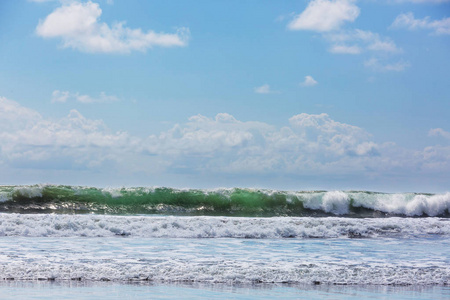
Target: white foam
pixel 37 225
pixel 231 273
pixel 5 196
pixel 405 204
pixel 226 260
pixel 113 192
pixel 30 191
pixel 336 202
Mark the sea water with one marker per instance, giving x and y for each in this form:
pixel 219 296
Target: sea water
pixel 107 290
pixel 85 243
pixel 338 261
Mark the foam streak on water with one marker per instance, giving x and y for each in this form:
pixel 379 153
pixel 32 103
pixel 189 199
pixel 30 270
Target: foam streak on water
pixel 48 225
pixel 231 261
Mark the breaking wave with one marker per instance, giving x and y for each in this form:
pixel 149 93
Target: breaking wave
pixel 219 202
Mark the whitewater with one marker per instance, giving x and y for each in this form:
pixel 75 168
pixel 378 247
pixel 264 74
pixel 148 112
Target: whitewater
pixel 229 237
pixel 228 202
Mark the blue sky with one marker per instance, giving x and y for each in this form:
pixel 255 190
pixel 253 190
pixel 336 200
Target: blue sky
pixel 295 95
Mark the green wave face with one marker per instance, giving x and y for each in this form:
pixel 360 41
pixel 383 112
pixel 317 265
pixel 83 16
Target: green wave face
pixel 224 202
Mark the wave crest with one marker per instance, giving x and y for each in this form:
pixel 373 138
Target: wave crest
pixel 219 202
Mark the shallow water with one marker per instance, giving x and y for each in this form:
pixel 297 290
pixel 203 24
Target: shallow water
pixel 91 256
pixel 380 261
pixel 107 290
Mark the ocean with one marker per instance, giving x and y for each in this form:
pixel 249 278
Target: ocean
pixel 79 242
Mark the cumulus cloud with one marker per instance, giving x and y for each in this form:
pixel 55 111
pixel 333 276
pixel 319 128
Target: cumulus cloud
pixel 434 158
pixel 205 136
pixel 102 98
pixel 78 25
pixel 357 41
pixel 308 145
pixel 439 132
pixel 64 96
pixel 60 96
pixel 344 49
pixel 376 65
pixel 328 18
pixel 223 144
pixel 408 21
pixel 13 116
pixel 309 81
pixel 264 89
pixel 74 139
pixel 325 15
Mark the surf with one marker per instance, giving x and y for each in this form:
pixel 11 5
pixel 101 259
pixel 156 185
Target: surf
pixel 62 199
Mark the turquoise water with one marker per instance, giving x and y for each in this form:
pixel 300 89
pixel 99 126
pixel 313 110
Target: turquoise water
pixel 218 202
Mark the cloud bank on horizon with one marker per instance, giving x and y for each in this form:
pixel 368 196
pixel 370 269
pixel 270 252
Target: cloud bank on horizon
pixel 310 145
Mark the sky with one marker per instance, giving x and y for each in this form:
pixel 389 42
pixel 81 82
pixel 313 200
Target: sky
pixel 293 95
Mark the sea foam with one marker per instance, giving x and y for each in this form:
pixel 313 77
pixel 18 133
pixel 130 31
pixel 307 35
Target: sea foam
pixel 49 225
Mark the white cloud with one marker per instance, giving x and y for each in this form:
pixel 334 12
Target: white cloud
pixel 328 17
pixel 74 140
pixel 343 49
pixel 265 89
pixel 434 158
pixel 309 145
pixel 325 15
pixel 376 65
pixel 356 41
pixel 60 96
pixel 439 132
pixel 383 46
pixel 223 144
pixel 63 96
pixel 103 98
pixel 205 136
pixel 77 24
pixel 220 144
pixel 13 116
pixel 309 81
pixel 409 22
pixel 281 18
